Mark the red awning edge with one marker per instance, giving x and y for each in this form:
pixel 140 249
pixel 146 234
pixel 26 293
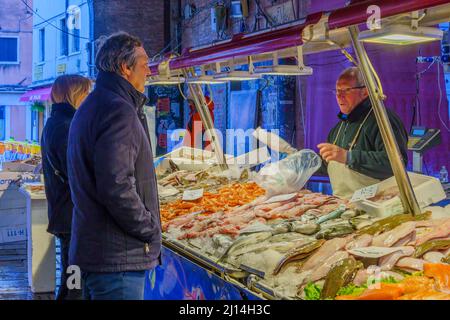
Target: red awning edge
pixel 40 94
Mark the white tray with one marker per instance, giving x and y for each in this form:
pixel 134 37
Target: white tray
pixel 428 190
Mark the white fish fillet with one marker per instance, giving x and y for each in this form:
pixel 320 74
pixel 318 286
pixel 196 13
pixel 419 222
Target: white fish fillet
pixel 433 256
pixel 389 261
pixel 387 239
pixel 440 231
pixel 363 241
pixel 410 264
pixel 326 266
pixel 327 250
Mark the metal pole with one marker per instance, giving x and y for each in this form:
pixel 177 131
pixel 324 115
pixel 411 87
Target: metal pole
pixel 407 196
pixel 202 109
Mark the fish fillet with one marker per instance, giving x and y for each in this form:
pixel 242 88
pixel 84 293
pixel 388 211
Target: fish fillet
pixel 324 252
pixel 362 241
pixel 440 231
pixel 410 264
pixel 387 239
pixel 322 271
pixel 389 261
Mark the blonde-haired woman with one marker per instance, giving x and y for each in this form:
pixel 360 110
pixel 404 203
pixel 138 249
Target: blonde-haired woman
pixel 68 92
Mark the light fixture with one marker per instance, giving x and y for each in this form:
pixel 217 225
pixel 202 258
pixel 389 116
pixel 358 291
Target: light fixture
pixel 203 78
pixel 400 34
pixel 235 75
pixel 164 80
pixel 165 76
pixel 286 70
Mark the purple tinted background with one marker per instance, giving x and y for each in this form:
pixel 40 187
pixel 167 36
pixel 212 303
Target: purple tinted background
pixel 396 66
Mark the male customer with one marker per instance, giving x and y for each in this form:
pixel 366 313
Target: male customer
pixel 116 228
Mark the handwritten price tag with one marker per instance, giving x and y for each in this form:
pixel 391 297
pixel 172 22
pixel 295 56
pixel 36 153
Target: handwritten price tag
pixel 190 195
pixel 365 193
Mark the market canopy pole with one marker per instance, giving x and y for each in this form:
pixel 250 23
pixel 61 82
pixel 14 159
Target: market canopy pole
pixel 407 195
pixel 202 108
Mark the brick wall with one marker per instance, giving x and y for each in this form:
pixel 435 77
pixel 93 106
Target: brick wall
pixel 142 18
pixel 197 31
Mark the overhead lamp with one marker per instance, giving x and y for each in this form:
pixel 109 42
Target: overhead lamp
pixel 236 75
pixel 164 80
pixel 400 34
pixel 203 78
pixel 165 76
pixel 286 70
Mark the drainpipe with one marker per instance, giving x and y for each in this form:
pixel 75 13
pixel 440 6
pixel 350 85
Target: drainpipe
pixel 91 60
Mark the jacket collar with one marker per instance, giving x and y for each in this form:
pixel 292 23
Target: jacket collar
pixel 357 113
pixel 119 85
pixel 64 109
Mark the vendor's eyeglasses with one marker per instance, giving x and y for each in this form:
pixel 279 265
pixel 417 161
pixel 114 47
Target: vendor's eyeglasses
pixel 346 90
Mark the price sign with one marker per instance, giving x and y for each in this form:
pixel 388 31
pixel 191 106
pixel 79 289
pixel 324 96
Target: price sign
pixel 365 193
pixel 190 195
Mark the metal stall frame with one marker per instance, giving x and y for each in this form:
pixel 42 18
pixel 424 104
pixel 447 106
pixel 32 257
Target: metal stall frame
pixel 317 32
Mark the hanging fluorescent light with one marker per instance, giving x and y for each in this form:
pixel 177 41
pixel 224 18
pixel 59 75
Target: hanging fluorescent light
pixel 399 34
pixel 164 80
pixel 235 75
pixel 286 70
pixel 203 78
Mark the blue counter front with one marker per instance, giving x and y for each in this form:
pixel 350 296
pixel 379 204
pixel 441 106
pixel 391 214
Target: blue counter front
pixel 178 278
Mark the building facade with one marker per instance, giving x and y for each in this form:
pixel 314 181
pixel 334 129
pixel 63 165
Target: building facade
pixel 15 68
pixel 65 34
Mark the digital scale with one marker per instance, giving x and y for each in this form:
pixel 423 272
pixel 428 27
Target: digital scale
pixel 421 140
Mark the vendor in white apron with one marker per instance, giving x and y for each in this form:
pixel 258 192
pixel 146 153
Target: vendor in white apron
pixel 355 156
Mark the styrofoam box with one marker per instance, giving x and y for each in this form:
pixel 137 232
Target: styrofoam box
pixel 190 159
pixel 13 218
pixel 18 167
pixel 428 190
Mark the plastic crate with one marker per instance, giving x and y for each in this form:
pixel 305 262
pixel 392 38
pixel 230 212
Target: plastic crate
pixel 428 190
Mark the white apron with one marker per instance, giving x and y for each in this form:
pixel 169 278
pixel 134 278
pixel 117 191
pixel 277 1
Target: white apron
pixel 345 181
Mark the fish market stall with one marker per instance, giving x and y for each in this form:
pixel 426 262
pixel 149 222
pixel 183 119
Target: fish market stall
pixel 264 235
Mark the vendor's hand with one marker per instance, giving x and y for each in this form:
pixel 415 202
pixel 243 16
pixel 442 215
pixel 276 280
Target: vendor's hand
pixel 330 152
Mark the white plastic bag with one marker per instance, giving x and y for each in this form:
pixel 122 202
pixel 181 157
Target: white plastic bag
pixel 290 174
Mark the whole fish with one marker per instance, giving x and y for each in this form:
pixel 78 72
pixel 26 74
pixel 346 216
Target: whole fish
pixel 245 241
pixel 298 253
pixel 333 215
pixel 431 245
pixel 391 222
pixel 341 274
pixel 305 227
pixel 289 236
pixel 335 232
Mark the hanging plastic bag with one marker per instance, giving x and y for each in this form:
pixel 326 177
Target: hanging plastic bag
pixel 290 174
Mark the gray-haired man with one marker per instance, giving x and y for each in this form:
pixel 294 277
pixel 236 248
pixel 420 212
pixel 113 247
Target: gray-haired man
pixel 116 229
pixel 354 154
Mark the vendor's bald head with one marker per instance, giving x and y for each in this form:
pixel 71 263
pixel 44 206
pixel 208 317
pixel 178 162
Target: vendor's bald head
pixel 350 89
